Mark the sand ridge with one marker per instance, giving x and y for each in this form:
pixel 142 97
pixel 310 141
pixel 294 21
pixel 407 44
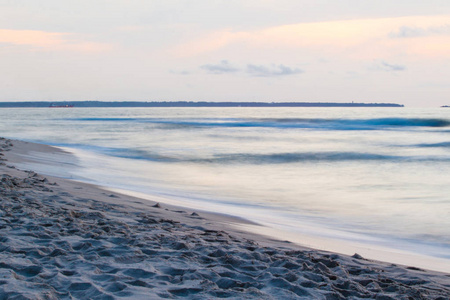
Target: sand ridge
pixel 66 240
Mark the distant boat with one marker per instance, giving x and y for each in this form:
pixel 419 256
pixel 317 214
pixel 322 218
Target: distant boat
pixel 59 106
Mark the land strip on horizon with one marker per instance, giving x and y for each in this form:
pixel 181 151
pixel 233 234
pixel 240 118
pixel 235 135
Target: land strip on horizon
pixel 37 104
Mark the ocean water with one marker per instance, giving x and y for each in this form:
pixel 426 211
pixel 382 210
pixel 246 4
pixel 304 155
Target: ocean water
pixel 378 178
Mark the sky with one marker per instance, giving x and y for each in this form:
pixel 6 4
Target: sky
pixel 395 51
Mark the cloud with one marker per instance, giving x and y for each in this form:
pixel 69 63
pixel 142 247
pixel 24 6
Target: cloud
pixel 224 67
pixel 263 71
pixel 221 68
pixel 384 66
pixel 42 40
pixel 412 32
pixel 357 39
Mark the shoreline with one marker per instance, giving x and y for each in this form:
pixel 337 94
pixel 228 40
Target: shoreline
pixel 63 239
pixel 48 160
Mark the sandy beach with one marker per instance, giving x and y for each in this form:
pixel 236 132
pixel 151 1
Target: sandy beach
pixel 62 239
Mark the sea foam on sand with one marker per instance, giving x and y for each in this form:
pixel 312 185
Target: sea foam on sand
pixel 61 239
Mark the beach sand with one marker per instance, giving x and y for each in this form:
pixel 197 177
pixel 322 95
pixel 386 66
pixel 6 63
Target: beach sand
pixel 62 239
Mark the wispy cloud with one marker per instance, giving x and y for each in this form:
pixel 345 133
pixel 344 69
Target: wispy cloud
pixel 411 32
pixel 221 68
pixel 270 71
pixel 388 67
pixel 53 41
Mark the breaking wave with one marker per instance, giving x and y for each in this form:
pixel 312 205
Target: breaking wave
pixel 242 158
pixel 326 124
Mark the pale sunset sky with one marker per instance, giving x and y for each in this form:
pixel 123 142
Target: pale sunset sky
pixel 248 50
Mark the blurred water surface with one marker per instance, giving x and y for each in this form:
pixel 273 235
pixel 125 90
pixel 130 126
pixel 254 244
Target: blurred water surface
pixel 377 176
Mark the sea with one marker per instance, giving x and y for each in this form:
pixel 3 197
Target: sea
pixel 375 181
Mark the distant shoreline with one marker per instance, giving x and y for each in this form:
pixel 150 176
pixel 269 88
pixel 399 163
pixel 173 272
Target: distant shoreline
pixel 64 104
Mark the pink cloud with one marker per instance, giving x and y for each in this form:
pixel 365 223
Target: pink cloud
pixel 361 38
pixel 50 41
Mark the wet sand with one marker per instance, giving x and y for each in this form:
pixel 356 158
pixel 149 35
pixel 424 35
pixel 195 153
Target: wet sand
pixel 62 239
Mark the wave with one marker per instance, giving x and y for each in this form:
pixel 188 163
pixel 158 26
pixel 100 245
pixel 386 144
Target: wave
pixel 409 122
pixel 237 158
pixel 272 158
pixel 435 145
pixel 280 158
pixel 257 158
pixel 326 124
pixel 130 153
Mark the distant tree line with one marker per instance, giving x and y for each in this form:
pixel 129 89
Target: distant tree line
pixel 188 104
